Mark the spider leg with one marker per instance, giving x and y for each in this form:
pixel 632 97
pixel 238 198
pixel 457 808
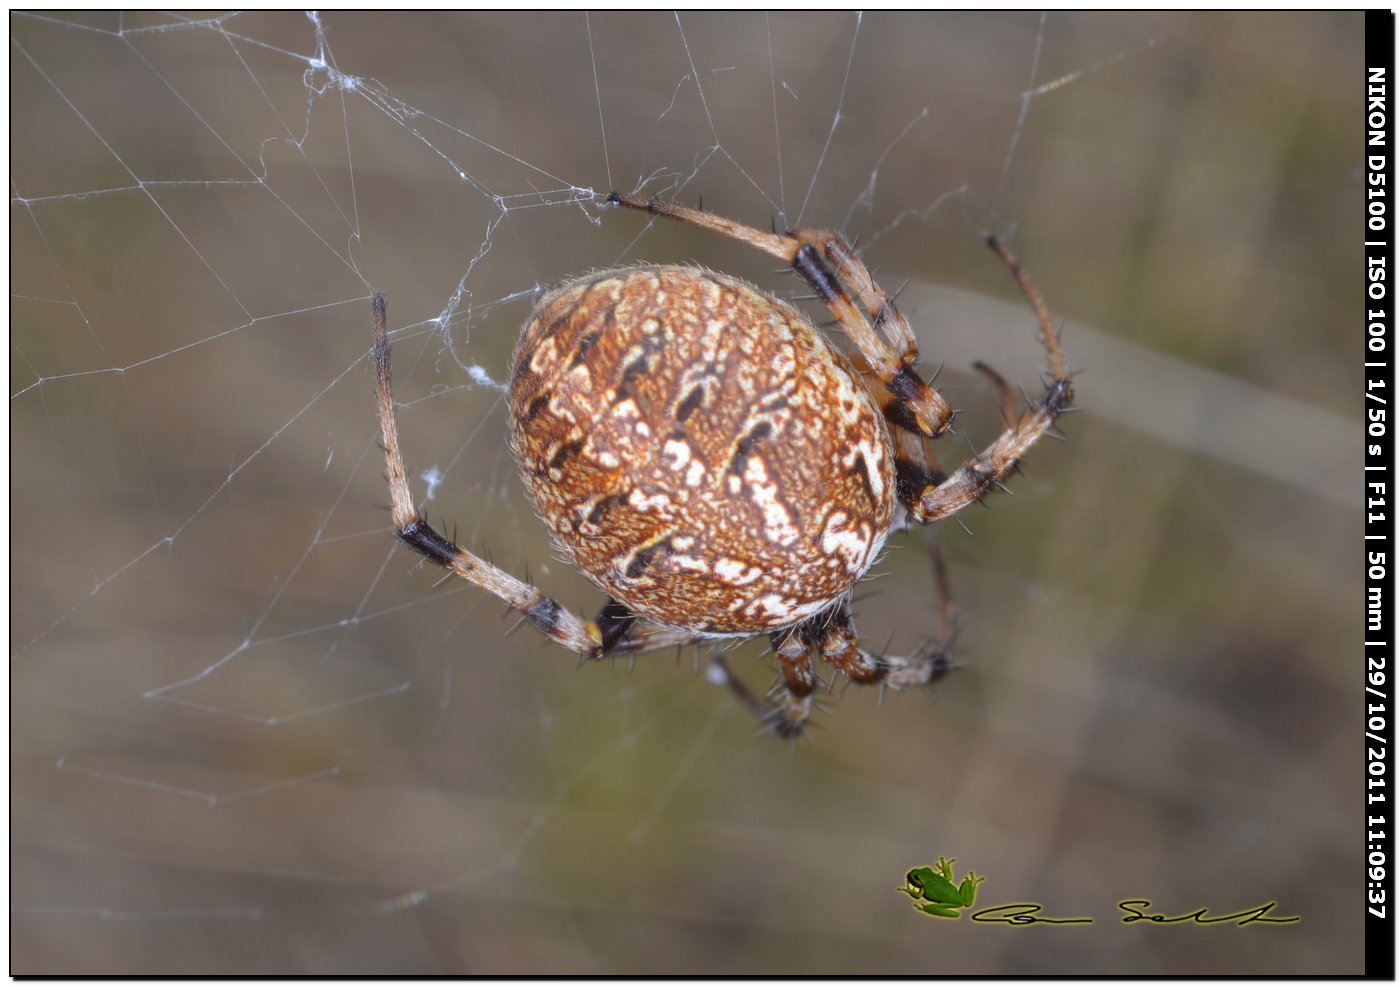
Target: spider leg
pixel 829 265
pixel 839 645
pixel 799 680
pixel 976 477
pixel 832 634
pixel 813 253
pixel 915 468
pixel 643 636
pixel 615 630
pixel 615 623
pixel 881 307
pixel 788 718
pixel 589 639
pixel 742 692
pixel 948 607
pixel 1006 401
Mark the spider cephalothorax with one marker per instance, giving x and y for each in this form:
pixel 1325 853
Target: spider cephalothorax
pixel 714 464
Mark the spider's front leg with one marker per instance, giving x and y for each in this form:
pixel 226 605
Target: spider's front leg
pixel 830 265
pixel 923 489
pixel 827 264
pixel 976 477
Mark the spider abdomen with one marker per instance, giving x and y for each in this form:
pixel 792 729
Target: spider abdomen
pixel 698 449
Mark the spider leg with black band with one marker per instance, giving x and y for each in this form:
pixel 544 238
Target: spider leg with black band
pixel 827 263
pixel 609 633
pixel 813 253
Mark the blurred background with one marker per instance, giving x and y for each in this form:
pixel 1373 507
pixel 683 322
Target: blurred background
pixel 250 736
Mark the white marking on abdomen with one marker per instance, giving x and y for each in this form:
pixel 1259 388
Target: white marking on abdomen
pixel 873 454
pixel 850 542
pixel 777 522
pixel 736 572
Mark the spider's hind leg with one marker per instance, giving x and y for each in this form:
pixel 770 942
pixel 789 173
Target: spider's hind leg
pixel 832 635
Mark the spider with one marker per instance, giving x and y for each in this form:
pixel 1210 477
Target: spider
pixel 715 465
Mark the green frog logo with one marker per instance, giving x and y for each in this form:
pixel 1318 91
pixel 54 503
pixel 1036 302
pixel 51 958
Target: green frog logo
pixel 934 891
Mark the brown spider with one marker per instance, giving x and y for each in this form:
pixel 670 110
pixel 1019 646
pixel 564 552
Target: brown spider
pixel 717 467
